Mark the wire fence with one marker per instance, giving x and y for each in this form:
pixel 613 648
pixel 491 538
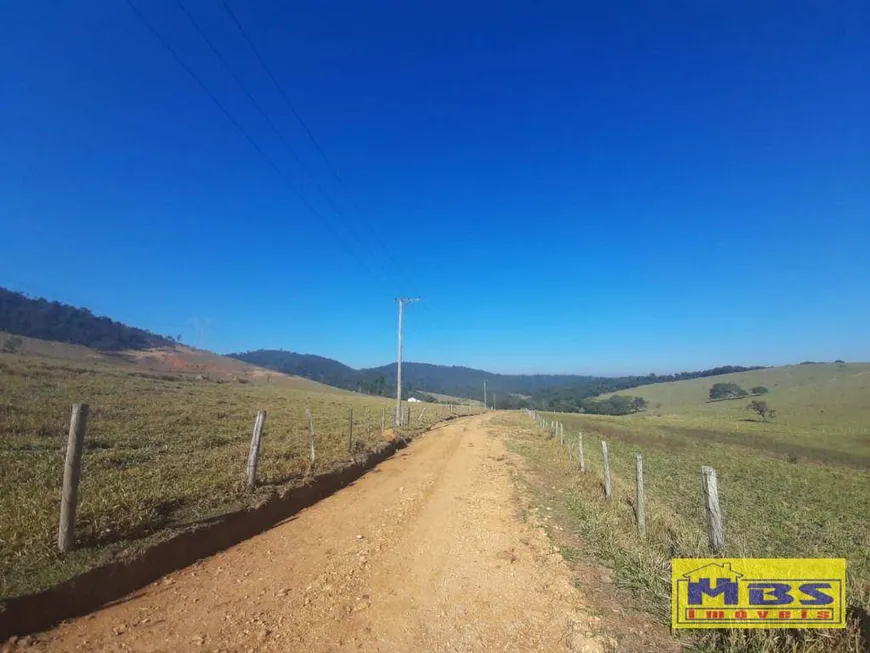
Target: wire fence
pixel 362 434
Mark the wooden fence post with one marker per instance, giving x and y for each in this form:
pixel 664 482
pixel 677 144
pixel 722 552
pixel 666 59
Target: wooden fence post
pixel 715 529
pixel 66 533
pixel 254 453
pixel 580 452
pixel 350 432
pixel 640 508
pixel 561 434
pixel 607 493
pixel 312 455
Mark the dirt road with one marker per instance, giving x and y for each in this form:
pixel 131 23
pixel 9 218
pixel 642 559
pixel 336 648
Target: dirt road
pixel 425 553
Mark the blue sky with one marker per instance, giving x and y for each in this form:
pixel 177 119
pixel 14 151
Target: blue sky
pixel 571 187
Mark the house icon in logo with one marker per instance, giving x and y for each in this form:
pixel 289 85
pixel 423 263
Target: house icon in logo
pixel 701 583
pixel 713 570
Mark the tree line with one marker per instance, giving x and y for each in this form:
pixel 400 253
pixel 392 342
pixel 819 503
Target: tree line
pixel 36 317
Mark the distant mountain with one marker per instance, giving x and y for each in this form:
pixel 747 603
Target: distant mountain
pixel 468 382
pixel 557 391
pixel 39 318
pixel 442 379
pixel 316 368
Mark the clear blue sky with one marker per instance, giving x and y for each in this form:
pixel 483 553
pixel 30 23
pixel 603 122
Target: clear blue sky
pixel 571 187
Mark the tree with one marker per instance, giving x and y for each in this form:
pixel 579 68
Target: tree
pixel 761 408
pixel 758 390
pixel 721 391
pixel 615 405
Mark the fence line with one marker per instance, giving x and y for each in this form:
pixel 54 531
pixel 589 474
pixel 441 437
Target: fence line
pixel 76 441
pixel 607 487
pixel 715 530
pixel 71 472
pixel 640 509
pixel 254 453
pixel 712 509
pixel 313 455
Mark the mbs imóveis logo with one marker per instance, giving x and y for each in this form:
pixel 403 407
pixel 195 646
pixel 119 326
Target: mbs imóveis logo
pixel 758 592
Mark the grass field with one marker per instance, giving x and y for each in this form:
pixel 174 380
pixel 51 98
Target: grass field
pixel 162 452
pixel 796 486
pixel 449 399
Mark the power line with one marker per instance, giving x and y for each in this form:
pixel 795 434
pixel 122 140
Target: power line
pixel 268 120
pixel 311 137
pixel 244 133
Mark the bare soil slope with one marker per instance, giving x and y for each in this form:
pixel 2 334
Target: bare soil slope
pixel 180 361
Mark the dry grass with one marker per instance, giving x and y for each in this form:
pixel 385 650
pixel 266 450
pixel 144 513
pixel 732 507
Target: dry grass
pixel 162 452
pixel 773 508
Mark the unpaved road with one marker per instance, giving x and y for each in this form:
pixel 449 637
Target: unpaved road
pixel 425 553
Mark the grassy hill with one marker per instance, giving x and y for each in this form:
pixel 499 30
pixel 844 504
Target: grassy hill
pixel 167 363
pixel 795 486
pixel 166 447
pixel 824 407
pixel 808 388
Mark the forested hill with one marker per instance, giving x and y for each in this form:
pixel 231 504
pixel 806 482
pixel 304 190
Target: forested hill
pixel 39 318
pixel 557 391
pixel 316 368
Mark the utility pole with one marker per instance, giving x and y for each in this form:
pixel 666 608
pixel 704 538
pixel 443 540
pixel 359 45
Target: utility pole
pixel 484 395
pixel 493 401
pixel 401 301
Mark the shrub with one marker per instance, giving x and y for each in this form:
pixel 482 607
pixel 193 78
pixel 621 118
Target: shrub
pixel 721 391
pixel 12 345
pixel 761 409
